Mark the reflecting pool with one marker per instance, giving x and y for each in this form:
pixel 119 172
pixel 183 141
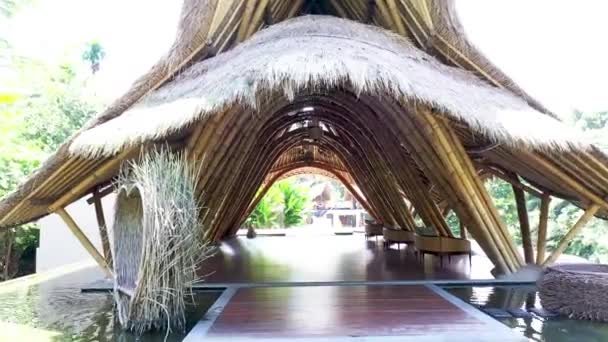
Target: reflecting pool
pixel 55 309
pixel 535 327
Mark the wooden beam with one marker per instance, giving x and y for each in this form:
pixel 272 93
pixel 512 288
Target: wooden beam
pixel 103 230
pixel 86 243
pixel 565 241
pixel 541 240
pixel 101 193
pixel 524 224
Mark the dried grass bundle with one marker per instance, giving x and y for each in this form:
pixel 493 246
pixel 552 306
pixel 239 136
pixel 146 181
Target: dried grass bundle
pixel 577 291
pixel 157 241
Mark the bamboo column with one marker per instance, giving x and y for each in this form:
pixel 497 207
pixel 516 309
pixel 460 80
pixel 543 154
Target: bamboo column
pixel 524 224
pixel 543 220
pixel 103 230
pixel 478 212
pixel 86 243
pixel 565 241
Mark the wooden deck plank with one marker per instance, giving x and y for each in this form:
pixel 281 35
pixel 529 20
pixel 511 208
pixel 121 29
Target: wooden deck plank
pixel 354 311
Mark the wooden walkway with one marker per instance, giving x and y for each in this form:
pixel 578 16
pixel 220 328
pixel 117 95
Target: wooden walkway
pixel 339 288
pixel 337 313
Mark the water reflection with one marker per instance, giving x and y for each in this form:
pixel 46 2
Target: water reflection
pixel 56 310
pixel 536 328
pixel 325 258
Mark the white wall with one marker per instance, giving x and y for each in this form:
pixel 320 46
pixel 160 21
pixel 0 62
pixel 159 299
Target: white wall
pixel 58 246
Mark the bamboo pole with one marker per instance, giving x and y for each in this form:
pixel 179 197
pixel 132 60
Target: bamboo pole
pixel 103 230
pixel 88 182
pixel 543 220
pixel 444 175
pixel 86 243
pixel 394 11
pixel 245 19
pixel 563 177
pixel 524 224
pixel 462 168
pixel 257 18
pixel 565 241
pixel 503 238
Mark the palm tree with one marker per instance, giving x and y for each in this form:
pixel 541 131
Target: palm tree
pixel 93 54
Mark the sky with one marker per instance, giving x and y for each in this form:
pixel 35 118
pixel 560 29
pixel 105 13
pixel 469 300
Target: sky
pixel 554 49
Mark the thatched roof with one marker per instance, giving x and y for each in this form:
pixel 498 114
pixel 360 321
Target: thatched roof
pixel 407 107
pixel 312 52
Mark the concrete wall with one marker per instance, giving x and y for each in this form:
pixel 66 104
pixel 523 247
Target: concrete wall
pixel 58 246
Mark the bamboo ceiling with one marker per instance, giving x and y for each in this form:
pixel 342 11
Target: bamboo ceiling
pixel 398 156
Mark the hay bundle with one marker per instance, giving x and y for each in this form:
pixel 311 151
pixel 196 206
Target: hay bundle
pixel 576 291
pixel 157 242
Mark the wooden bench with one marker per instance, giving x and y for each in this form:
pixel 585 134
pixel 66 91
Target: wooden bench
pixel 395 235
pixel 373 229
pixel 442 246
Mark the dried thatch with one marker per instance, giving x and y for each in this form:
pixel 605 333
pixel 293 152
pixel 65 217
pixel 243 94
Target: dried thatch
pixel 314 53
pixel 576 291
pixel 156 242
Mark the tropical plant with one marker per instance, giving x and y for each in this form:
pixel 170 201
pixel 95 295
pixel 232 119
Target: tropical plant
pixel 294 201
pixel 49 106
pixel 93 54
pixel 266 214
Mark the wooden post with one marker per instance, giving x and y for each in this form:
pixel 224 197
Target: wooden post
pixel 541 240
pixel 563 244
pixel 103 230
pixel 524 224
pixel 86 243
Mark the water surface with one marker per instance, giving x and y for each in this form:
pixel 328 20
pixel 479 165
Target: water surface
pixel 557 329
pixel 57 310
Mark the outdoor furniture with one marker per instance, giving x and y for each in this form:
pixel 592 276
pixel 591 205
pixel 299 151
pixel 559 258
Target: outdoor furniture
pixel 395 235
pixel 576 290
pixel 373 229
pixel 442 246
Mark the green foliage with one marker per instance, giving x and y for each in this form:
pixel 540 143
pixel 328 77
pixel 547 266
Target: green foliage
pixel 453 223
pixel 93 54
pixel 282 206
pixel 58 110
pixel 502 193
pixel 294 201
pixel 591 243
pixel 44 107
pixel 265 214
